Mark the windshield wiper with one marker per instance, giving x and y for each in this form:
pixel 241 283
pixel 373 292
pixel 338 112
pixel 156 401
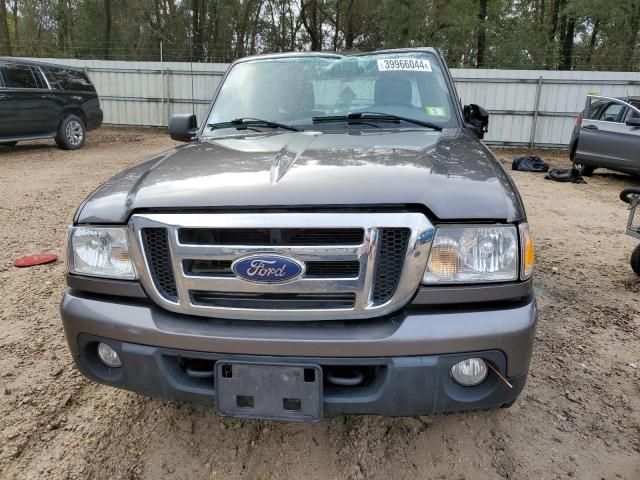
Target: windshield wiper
pixel 360 117
pixel 248 122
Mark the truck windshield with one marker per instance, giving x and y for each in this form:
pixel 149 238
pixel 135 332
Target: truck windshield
pixel 294 90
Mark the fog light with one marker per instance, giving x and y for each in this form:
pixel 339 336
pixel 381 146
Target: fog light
pixel 108 356
pixel 469 372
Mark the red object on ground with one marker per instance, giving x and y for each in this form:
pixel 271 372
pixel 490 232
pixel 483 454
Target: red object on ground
pixel 31 260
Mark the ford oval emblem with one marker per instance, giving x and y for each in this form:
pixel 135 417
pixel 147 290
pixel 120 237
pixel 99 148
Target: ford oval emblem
pixel 266 268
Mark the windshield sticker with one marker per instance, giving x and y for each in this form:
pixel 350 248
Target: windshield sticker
pixel 436 111
pixel 408 64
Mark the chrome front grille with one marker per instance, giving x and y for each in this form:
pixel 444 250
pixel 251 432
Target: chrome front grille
pixel 358 265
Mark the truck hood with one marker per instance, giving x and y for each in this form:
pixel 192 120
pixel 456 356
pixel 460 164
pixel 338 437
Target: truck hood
pixel 452 175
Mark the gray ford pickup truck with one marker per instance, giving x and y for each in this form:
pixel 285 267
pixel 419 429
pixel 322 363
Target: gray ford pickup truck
pixel 333 239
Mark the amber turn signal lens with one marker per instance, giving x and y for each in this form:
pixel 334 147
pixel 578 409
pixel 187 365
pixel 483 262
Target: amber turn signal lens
pixel 528 256
pixel 444 260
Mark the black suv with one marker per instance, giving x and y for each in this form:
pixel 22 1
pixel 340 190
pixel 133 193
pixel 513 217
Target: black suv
pixel 39 100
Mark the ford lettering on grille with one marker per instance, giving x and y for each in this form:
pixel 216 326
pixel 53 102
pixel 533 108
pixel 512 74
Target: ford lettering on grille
pixel 268 268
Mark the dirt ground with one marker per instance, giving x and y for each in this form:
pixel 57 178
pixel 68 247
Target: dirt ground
pixel 579 415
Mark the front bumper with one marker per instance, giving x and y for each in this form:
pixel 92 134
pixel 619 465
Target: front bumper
pixel 410 353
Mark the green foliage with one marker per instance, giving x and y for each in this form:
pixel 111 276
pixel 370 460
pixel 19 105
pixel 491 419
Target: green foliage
pixel 550 34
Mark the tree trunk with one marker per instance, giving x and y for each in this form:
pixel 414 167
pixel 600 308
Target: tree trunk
pixel 198 23
pixel 555 14
pixel 592 41
pixel 212 31
pixel 566 55
pixel 172 8
pixel 64 24
pixel 404 30
pixel 632 39
pixel 241 30
pixel 310 14
pixel 336 25
pixel 5 40
pixel 296 25
pixel 282 40
pixel 551 43
pixel 349 34
pixel 16 31
pixel 255 24
pixel 482 34
pixel 107 28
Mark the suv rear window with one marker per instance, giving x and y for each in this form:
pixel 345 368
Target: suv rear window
pixel 19 76
pixel 68 79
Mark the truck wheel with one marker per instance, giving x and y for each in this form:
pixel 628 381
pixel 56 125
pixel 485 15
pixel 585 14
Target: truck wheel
pixel 635 260
pixel 8 144
pixel 71 133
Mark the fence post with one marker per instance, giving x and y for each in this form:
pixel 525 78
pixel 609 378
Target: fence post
pixel 536 109
pixel 162 90
pixel 168 94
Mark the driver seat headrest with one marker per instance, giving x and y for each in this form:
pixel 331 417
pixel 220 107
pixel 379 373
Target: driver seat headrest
pixel 392 89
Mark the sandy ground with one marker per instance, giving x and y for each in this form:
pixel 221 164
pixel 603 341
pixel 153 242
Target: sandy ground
pixel 579 415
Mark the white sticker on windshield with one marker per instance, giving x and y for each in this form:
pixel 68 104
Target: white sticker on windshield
pixel 411 64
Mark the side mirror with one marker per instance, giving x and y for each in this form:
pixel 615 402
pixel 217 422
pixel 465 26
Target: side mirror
pixel 633 122
pixel 183 126
pixel 477 118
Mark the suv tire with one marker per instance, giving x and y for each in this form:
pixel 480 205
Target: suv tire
pixel 71 133
pixel 635 260
pixel 584 170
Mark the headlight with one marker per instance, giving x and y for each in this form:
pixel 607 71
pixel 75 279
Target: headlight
pixel 100 252
pixel 461 254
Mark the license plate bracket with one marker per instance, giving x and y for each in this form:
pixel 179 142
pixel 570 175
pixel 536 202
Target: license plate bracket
pixel 276 391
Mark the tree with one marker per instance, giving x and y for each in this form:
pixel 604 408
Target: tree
pixel 551 44
pixel 566 53
pixel 107 27
pixel 312 20
pixel 568 34
pixel 5 40
pixel 482 32
pixel 64 20
pixel 633 28
pixel 349 26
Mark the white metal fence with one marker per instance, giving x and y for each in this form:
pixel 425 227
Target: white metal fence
pixel 527 107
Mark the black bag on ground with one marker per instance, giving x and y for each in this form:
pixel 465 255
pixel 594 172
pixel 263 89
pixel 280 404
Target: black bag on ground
pixel 529 163
pixel 564 175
